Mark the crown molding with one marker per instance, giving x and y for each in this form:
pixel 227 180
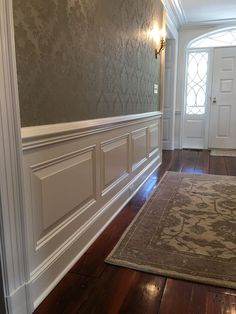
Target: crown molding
pixel 207 24
pixel 175 12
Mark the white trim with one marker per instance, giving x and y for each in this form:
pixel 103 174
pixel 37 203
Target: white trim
pixel 61 242
pixel 14 254
pixel 37 136
pixel 208 93
pixel 212 32
pixel 175 12
pixel 69 242
pixel 209 23
pixel 121 199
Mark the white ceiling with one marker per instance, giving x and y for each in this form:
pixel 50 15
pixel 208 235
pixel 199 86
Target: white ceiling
pixel 208 10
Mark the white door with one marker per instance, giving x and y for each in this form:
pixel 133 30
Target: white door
pixel 222 131
pixel 196 99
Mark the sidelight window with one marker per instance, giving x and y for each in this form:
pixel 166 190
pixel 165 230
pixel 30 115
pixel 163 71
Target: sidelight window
pixel 196 90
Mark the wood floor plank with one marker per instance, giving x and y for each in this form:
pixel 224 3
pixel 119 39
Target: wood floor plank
pixel 92 262
pixel 193 298
pixel 189 161
pixel 177 161
pixel 168 157
pixel 67 296
pixel 176 297
pixel 123 290
pixel 219 302
pixel 230 165
pixel 144 192
pixel 217 166
pixel 145 295
pixel 202 165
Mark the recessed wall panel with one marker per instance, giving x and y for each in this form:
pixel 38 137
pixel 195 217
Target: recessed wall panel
pixel 194 128
pixel 224 121
pixel 226 86
pixel 139 147
pixel 58 189
pixel 166 129
pixel 153 137
pixel 228 64
pixel 115 160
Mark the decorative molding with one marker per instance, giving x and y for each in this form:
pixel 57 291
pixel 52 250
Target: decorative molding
pixel 114 151
pixel 153 139
pixel 74 212
pixel 139 150
pixel 98 222
pixel 207 24
pixel 12 216
pixel 175 12
pixel 60 238
pixel 38 136
pixel 64 246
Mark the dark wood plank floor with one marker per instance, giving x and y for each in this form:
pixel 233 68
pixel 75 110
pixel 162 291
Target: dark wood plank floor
pixel 95 287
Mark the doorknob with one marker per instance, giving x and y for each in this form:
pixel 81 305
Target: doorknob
pixel 214 100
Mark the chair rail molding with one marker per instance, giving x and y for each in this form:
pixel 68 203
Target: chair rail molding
pixel 12 229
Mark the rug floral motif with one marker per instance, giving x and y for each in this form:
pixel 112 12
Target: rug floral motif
pixel 186 230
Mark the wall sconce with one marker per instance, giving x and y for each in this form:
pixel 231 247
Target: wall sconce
pixel 159 37
pixel 162 47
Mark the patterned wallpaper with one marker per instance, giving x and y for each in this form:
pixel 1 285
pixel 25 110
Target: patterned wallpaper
pixel 85 59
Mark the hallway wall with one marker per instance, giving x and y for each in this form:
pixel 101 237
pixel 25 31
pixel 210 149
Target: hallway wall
pixel 80 60
pixel 83 60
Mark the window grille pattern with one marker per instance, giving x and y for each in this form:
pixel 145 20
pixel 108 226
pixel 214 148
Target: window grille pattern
pixel 197 83
pixel 220 39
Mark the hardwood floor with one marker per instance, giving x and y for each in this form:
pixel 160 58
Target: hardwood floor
pixel 95 287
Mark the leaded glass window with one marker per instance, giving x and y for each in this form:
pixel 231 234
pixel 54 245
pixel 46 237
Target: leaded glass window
pixel 219 39
pixel 197 73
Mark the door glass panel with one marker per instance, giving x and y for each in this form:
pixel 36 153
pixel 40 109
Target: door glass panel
pixel 197 82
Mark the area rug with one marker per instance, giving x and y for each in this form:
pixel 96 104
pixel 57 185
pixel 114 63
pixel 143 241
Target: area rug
pixel 186 230
pixel 223 153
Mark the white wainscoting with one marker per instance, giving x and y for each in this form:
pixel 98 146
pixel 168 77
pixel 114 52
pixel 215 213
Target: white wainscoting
pixel 78 176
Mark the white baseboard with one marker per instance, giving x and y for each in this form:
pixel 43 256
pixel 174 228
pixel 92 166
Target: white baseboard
pixel 168 146
pixel 15 301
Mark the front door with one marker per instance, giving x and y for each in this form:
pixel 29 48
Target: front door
pixel 222 131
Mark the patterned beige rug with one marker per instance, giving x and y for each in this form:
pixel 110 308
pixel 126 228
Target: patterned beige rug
pixel 186 230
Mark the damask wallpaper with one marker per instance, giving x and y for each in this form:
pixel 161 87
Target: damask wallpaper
pixel 85 59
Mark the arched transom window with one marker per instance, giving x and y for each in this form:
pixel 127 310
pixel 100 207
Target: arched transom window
pixel 220 39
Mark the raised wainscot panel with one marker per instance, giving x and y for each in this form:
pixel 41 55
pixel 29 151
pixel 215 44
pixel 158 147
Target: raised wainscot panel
pixel 114 162
pixel 57 189
pixel 78 177
pixel 154 138
pixel 139 147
